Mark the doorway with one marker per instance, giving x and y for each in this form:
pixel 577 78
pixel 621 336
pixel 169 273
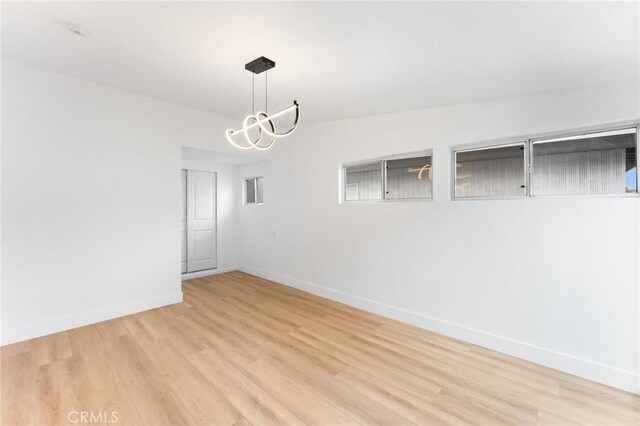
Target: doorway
pixel 199 251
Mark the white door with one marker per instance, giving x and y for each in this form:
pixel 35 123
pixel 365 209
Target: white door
pixel 201 220
pixel 184 221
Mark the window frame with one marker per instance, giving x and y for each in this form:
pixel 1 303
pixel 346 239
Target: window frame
pixel 528 166
pixel 475 147
pixel 383 162
pixel 255 190
pixel 585 132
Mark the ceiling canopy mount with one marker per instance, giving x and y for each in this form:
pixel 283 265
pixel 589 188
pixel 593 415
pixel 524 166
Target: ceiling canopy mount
pixel 260 65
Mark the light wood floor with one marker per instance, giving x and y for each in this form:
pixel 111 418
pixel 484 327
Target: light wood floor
pixel 242 350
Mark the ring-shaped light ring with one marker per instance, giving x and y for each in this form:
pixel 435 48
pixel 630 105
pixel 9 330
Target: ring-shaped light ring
pixel 245 123
pixel 262 116
pixel 232 142
pixel 259 120
pixel 273 132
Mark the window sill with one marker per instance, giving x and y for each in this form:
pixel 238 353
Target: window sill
pixel 549 197
pixel 403 200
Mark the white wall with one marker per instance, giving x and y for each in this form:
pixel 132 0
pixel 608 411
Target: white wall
pixel 91 200
pixel 555 281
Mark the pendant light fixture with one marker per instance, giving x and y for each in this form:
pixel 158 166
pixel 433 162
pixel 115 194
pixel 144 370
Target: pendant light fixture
pixel 262 121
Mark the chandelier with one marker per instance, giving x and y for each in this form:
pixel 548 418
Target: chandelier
pixel 262 121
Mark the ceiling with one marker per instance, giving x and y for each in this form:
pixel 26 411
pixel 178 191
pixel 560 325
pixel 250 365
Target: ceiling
pixel 338 60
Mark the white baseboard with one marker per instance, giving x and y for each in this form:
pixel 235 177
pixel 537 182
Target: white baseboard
pixel 87 317
pixel 611 376
pixel 206 273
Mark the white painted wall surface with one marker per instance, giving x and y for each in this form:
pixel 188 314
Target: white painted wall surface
pixel 555 281
pixel 91 200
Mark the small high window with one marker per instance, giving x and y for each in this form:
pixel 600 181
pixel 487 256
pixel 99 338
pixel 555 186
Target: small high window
pixel 254 190
pixel 593 163
pixel 392 179
pixel 497 171
pixel 409 178
pixel 363 182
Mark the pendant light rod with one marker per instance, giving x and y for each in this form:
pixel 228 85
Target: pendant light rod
pixel 266 98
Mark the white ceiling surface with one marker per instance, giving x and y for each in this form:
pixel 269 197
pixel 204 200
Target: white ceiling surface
pixel 338 60
pixel 207 156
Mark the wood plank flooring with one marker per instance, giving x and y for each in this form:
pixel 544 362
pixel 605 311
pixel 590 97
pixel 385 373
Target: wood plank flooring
pixel 241 350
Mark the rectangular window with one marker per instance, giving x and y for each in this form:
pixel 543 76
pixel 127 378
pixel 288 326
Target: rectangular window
pixel 259 190
pixel 409 178
pixel 253 190
pixel 491 172
pixel 397 179
pixel 364 181
pixel 593 163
